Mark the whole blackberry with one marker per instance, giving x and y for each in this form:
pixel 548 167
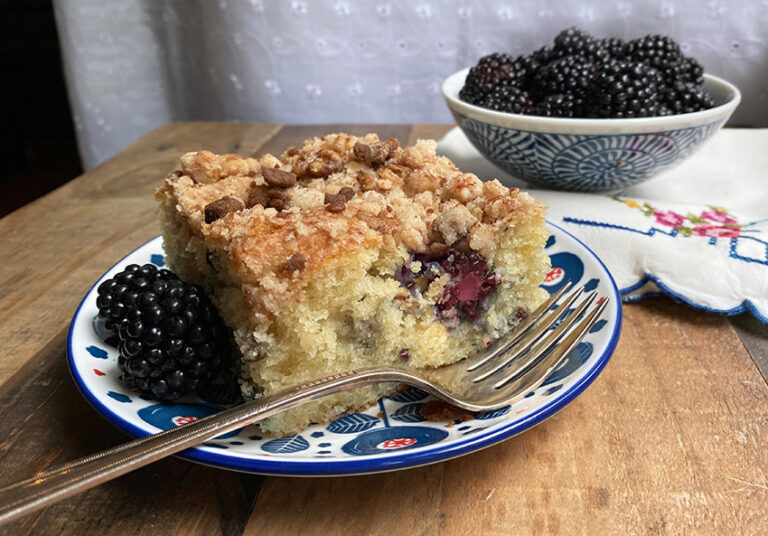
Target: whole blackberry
pixel 534 63
pixel 684 70
pixel 560 105
pixel 613 46
pixel 624 89
pixel 653 50
pixel 572 37
pixel 172 340
pixel 118 294
pixel 471 93
pixel 542 56
pixel 509 99
pixel 687 97
pixel 691 71
pixel 490 71
pixel 573 41
pixel 522 71
pixel 570 74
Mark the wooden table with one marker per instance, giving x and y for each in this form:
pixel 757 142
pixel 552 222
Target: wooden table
pixel 669 439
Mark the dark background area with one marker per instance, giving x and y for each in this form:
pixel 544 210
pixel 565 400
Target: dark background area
pixel 38 151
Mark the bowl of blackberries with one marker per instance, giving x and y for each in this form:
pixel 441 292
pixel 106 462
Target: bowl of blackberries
pixel 589 114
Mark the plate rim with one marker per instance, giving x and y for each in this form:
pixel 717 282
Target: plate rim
pixel 363 465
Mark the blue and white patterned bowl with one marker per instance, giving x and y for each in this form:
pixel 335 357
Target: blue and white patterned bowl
pixel 389 435
pixel 588 155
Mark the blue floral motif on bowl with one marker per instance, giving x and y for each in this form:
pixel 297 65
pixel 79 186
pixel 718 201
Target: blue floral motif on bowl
pixel 587 163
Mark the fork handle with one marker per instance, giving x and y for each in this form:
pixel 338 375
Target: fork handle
pixel 28 495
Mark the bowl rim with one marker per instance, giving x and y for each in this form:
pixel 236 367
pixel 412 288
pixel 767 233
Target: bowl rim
pixel 571 125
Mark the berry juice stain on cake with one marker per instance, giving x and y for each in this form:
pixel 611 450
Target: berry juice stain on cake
pixel 469 287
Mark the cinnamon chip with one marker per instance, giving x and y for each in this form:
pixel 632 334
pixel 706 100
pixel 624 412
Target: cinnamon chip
pixel 376 153
pixel 221 207
pixel 335 203
pixel 294 263
pixel 277 193
pixel 277 204
pixel 278 177
pixel 347 193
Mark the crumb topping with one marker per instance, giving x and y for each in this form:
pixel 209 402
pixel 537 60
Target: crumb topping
pixel 279 219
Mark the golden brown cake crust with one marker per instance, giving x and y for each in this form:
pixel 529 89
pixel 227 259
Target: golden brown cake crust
pixel 330 195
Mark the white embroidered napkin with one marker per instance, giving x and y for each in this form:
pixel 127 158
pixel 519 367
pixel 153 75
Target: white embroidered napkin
pixel 698 233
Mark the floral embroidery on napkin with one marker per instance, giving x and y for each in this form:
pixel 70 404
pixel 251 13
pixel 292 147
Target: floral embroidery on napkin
pixel 713 222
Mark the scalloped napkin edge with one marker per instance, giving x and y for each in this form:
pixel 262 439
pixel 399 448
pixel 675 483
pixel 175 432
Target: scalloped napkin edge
pixel 704 255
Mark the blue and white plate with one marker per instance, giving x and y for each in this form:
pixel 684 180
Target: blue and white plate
pixel 390 435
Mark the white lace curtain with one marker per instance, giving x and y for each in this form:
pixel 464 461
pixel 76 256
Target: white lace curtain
pixel 132 65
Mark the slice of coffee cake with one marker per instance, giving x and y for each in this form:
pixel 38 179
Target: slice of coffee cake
pixel 349 252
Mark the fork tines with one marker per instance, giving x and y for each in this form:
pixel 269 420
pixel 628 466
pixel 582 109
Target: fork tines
pixel 539 342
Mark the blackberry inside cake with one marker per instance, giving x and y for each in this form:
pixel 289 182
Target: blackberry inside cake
pixel 348 252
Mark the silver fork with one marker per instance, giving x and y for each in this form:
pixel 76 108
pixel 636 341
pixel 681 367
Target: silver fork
pixel 513 366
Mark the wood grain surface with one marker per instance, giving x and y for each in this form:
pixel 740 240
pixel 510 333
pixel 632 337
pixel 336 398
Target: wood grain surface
pixel 668 440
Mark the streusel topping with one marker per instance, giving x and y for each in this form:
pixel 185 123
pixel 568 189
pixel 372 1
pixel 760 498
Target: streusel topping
pixel 281 218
